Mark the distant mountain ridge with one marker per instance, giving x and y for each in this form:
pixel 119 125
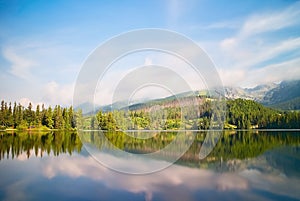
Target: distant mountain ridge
pixel 284 95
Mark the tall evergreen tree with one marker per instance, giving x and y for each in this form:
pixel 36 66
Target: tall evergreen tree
pixel 38 116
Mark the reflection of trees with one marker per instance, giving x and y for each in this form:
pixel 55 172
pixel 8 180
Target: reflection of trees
pixel 56 142
pixel 133 143
pixel 237 145
pixel 246 144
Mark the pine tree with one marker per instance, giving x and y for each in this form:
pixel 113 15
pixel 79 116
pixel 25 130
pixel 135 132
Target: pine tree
pixel 38 116
pixel 29 115
pixel 58 118
pixel 10 120
pixel 20 117
pixel 2 115
pixel 15 116
pixel 48 118
pixel 72 117
pixel 66 119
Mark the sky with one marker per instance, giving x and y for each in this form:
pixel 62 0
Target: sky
pixel 43 44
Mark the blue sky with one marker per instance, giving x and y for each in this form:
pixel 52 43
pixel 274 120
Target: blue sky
pixel 44 43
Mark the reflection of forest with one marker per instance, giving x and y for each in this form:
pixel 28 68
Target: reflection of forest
pixel 14 144
pixel 231 145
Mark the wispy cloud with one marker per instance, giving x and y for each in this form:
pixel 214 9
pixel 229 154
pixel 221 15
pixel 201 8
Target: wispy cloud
pixel 246 55
pixel 231 24
pixel 255 48
pixel 20 66
pixel 44 70
pixel 271 21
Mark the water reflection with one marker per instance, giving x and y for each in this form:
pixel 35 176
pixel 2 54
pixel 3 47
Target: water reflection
pixel 56 142
pixel 243 166
pixel 232 147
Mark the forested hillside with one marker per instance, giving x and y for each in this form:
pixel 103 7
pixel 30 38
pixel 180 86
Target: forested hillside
pixel 246 114
pixel 240 114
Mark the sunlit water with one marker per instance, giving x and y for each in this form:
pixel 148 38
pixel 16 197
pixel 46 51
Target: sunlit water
pixel 253 165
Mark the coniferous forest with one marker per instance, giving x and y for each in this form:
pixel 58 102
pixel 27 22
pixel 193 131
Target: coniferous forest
pixel 240 114
pixel 16 116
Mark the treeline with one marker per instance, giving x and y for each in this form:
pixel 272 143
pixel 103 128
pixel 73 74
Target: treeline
pixel 245 114
pixel 18 117
pixel 240 114
pixel 165 119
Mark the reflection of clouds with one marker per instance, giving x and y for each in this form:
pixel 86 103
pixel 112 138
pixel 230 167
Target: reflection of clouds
pixel 174 183
pixel 278 184
pixel 16 191
pixel 169 182
pixel 22 156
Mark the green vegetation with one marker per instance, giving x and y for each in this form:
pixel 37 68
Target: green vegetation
pixel 246 144
pixel 240 114
pixel 293 104
pixel 55 142
pixel 18 117
pixel 231 145
pixel 245 114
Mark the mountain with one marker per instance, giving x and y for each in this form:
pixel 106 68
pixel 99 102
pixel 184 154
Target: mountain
pixel 257 93
pixel 260 91
pixel 284 95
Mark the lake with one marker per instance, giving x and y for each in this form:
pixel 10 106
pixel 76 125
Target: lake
pixel 243 165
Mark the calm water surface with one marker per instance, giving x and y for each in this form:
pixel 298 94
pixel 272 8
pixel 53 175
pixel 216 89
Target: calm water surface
pixel 245 165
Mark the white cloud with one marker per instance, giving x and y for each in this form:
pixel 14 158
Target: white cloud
pixel 274 72
pixel 39 67
pixel 255 55
pixel 242 56
pixel 20 66
pixel 268 74
pixel 266 22
pixel 54 93
pixel 172 177
pixel 25 101
pixel 218 25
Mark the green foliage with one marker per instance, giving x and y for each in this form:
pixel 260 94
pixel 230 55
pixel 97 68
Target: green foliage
pixel 246 114
pixel 231 145
pixel 240 114
pixel 106 121
pixel 15 144
pixel 20 118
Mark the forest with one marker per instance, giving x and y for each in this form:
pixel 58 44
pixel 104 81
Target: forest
pixel 18 117
pixel 240 114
